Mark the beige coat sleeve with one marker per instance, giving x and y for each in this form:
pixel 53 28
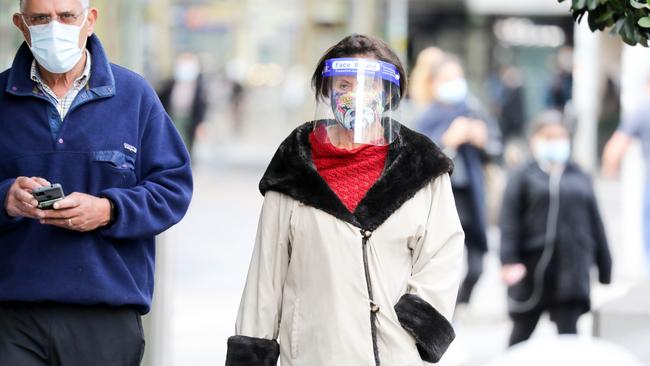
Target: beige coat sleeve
pixel 258 319
pixel 427 307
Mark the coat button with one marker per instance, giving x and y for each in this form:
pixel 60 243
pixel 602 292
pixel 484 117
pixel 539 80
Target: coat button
pixel 60 141
pixel 374 308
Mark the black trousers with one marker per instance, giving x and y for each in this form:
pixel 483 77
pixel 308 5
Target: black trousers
pixel 474 271
pixel 474 243
pixel 69 335
pixel 565 317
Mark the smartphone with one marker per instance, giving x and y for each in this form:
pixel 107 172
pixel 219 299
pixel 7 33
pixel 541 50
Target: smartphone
pixel 46 196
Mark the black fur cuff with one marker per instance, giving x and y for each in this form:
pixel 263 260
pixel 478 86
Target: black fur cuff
pixel 249 351
pixel 432 332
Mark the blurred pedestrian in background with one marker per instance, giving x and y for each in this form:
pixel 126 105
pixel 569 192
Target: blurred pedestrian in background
pixel 560 91
pixel 551 234
pixel 359 248
pixel 76 278
pixel 235 84
pixel 636 126
pixel 237 93
pixel 184 97
pixel 421 91
pixel 506 91
pixel 455 121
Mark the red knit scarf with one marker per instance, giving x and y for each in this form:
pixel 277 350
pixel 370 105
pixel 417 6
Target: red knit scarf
pixel 349 173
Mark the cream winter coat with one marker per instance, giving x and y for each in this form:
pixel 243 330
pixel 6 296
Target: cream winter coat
pixel 333 288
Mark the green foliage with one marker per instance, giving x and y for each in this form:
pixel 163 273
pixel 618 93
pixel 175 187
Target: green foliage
pixel 628 18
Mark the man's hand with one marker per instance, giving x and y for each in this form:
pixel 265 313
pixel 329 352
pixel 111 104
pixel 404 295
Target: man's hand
pixel 79 212
pixel 20 202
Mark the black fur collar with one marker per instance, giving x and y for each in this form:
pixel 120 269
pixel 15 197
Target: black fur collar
pixel 412 162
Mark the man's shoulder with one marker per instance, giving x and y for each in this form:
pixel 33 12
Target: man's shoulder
pixel 4 82
pixel 131 84
pixel 3 78
pixel 132 78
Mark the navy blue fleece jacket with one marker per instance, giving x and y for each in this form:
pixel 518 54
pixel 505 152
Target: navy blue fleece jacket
pixel 116 142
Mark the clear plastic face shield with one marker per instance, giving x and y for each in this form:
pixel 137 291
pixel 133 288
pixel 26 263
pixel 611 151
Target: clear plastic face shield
pixel 357 102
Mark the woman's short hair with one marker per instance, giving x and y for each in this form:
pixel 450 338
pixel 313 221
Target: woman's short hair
pixel 357 45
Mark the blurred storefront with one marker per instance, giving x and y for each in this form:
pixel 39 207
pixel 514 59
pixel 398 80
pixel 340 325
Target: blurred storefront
pixel 253 36
pixel 284 32
pixel 9 37
pixel 495 34
pixel 122 26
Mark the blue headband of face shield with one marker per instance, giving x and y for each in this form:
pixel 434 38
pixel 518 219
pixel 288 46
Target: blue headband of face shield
pixel 354 66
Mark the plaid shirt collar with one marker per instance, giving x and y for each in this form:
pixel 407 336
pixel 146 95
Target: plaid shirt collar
pixel 79 83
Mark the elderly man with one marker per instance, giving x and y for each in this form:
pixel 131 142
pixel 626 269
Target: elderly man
pixel 75 279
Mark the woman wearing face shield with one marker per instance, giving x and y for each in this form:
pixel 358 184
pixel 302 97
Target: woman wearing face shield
pixel 551 235
pixel 455 121
pixel 359 245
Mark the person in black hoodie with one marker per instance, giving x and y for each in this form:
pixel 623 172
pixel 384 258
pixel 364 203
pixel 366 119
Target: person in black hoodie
pixel 551 235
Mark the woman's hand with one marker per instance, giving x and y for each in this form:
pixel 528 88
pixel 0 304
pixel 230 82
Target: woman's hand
pixel 465 130
pixel 512 273
pixel 458 133
pixel 478 133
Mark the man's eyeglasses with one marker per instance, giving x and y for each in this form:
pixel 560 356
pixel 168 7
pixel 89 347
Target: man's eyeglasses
pixel 42 19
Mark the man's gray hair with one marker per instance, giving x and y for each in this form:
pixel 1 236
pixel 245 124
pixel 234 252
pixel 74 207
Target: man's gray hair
pixel 84 3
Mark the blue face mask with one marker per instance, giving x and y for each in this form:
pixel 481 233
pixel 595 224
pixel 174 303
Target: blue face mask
pixel 453 91
pixel 552 151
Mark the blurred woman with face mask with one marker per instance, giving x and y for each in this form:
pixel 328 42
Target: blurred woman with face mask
pixel 470 137
pixel 551 234
pixel 358 255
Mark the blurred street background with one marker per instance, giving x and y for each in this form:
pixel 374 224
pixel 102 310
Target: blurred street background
pixel 257 57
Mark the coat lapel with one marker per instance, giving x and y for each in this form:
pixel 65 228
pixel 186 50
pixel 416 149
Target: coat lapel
pixel 412 162
pixel 292 172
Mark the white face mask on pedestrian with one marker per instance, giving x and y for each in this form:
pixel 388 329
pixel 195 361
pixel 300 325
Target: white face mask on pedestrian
pixel 55 46
pixel 453 91
pixel 186 71
pixel 556 151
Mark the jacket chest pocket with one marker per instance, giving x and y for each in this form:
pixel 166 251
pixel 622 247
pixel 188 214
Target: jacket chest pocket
pixel 113 168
